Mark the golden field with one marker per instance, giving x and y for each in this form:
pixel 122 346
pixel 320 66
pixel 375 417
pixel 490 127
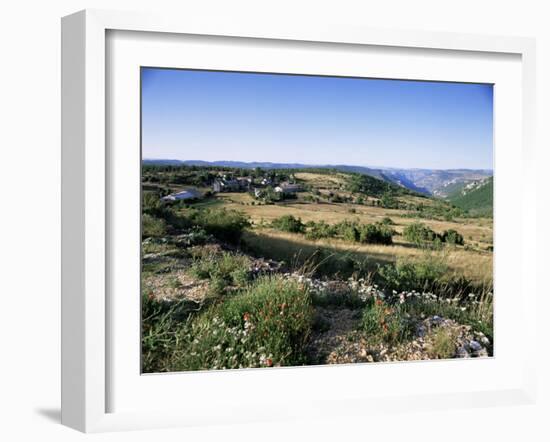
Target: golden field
pixel 472 260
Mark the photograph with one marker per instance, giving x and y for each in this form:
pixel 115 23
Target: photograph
pixel 292 220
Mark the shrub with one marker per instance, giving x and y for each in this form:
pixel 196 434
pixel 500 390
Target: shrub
pixel 222 269
pixel 408 275
pixel 452 237
pixel 419 233
pixel 348 231
pixel 288 223
pixel 151 204
pixel 387 221
pixel 373 234
pixel 321 230
pixel 152 227
pixel 388 201
pixel 443 346
pixel 382 322
pixel 226 225
pixel 161 321
pixel 267 325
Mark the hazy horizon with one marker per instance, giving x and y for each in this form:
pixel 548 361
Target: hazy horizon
pixel 392 124
pixel 313 164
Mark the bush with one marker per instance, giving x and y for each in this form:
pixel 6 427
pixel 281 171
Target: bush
pixel 374 234
pixel 419 233
pixel 161 321
pixel 152 227
pixel 348 231
pixel 222 269
pixel 407 275
pixel 443 346
pixel 267 325
pixel 382 322
pixel 288 223
pixel 452 237
pixel 226 225
pixel 321 230
pixel 388 201
pixel 387 221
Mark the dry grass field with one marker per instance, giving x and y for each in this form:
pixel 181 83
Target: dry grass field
pixel 472 260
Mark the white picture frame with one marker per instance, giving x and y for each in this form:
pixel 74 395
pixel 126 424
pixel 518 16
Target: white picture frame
pixel 87 321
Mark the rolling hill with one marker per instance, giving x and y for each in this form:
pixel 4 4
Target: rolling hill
pixel 433 182
pixel 476 197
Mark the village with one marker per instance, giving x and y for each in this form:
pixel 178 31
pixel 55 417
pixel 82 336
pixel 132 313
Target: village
pixel 267 187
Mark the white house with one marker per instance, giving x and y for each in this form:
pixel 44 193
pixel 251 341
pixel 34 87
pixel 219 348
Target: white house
pixel 287 188
pixel 187 194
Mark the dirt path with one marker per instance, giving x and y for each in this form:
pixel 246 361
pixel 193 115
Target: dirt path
pixel 336 339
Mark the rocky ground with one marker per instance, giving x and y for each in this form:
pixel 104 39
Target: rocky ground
pixel 343 343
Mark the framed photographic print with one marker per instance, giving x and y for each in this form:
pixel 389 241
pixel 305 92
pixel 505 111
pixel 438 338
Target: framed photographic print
pixel 265 211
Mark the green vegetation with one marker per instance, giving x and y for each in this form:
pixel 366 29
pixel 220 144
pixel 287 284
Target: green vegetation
pixel 368 185
pixel 443 346
pixel 224 269
pixel 351 231
pixel 375 234
pixel 152 227
pixel 226 225
pixel 421 234
pixel 451 236
pixel 478 202
pixel 268 324
pixel 406 275
pixel 383 322
pixel 288 223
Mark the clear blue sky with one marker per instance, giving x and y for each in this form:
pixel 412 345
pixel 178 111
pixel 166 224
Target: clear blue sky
pixel 201 115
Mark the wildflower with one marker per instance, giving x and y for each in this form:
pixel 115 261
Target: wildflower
pixel 246 317
pixel 269 362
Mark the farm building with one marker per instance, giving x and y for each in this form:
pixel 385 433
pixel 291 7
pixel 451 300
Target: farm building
pixel 287 188
pixel 187 194
pixel 244 182
pixel 226 185
pixel 258 192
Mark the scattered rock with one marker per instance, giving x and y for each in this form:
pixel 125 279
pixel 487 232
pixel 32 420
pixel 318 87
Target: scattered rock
pixel 475 346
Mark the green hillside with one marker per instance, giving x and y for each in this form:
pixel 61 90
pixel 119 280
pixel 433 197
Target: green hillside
pixel 478 201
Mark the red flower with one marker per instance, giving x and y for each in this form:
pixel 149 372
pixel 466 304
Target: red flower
pixel 246 317
pixel 269 362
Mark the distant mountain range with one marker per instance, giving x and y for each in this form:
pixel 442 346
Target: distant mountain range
pixel 434 182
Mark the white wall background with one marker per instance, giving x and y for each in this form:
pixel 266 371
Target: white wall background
pixel 30 215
